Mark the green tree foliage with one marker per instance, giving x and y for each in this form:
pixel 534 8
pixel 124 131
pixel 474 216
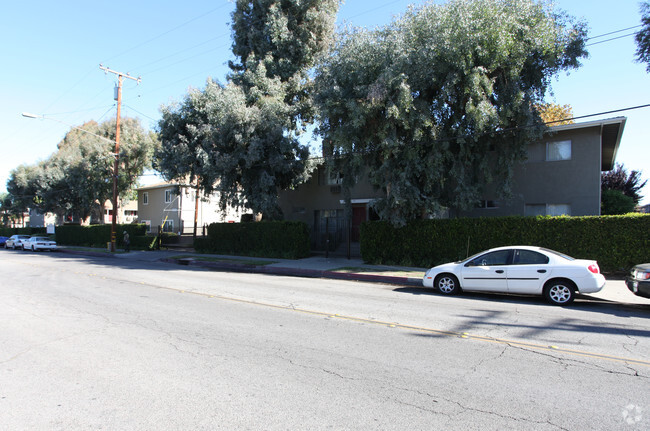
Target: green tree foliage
pixel 79 175
pixel 23 186
pixel 433 104
pixel 615 202
pixel 643 36
pixel 7 212
pixel 241 139
pixel 284 39
pixel 618 179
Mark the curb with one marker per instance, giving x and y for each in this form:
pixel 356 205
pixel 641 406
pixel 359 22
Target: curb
pixel 295 272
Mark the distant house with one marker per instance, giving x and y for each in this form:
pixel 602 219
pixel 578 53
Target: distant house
pixel 561 176
pixel 39 219
pixel 128 212
pixel 170 206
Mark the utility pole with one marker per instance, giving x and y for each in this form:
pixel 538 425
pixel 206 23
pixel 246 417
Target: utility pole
pixel 118 97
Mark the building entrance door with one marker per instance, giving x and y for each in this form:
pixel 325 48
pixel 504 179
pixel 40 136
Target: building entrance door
pixel 358 217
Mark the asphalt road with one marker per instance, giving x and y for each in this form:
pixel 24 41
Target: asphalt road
pixel 90 343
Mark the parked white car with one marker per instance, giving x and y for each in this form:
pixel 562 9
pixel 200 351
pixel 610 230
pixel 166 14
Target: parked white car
pixel 520 270
pixel 37 243
pixel 15 241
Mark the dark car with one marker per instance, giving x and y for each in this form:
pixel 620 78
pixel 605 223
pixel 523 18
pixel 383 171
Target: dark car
pixel 3 240
pixel 638 281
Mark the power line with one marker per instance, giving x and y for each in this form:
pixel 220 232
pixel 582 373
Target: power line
pixel 180 52
pixel 135 110
pixel 614 32
pixel 613 38
pixel 168 31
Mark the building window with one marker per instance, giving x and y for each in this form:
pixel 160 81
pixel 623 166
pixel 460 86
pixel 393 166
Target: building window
pixel 331 177
pixel 130 213
pixel 487 204
pixel 168 196
pixel 168 226
pixel 148 224
pixel 547 209
pixel 559 150
pixel 145 198
pixel 558 209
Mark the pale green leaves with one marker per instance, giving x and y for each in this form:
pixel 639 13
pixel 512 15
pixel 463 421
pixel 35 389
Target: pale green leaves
pixel 422 101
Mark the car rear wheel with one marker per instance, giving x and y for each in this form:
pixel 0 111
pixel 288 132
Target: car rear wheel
pixel 560 292
pixel 447 284
pixel 33 249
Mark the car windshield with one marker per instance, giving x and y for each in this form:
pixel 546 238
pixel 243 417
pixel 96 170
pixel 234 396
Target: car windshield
pixel 40 238
pixel 557 253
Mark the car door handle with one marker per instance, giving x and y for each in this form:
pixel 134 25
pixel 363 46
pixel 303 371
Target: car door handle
pixel 541 271
pixel 499 271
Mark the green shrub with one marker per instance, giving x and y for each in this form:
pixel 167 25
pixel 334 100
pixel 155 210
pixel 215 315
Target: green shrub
pixel 615 202
pixel 96 235
pixel 144 242
pixel 616 242
pixel 277 239
pixel 169 238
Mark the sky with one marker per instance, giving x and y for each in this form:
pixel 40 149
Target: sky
pixel 51 53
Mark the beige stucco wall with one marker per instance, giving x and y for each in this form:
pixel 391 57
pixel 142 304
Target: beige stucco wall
pixel 156 209
pixel 180 211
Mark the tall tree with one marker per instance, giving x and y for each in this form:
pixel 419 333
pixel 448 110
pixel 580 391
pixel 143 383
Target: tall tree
pixel 618 179
pixel 643 36
pixel 276 43
pixel 5 208
pixel 83 164
pixel 439 103
pixel 78 176
pixel 23 188
pixel 245 134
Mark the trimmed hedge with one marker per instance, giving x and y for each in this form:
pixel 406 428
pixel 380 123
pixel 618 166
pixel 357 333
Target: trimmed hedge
pixel 616 242
pixel 276 239
pixel 97 235
pixel 144 242
pixel 9 231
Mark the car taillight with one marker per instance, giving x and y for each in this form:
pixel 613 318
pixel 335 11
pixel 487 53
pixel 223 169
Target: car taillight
pixel 594 268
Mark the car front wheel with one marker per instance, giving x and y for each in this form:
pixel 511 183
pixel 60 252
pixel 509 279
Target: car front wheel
pixel 560 292
pixel 447 284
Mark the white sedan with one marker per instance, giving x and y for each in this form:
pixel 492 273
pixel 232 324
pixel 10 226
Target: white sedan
pixel 521 270
pixel 15 241
pixel 36 243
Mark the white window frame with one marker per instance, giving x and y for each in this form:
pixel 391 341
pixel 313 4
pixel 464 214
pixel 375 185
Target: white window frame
pixel 145 198
pixel 333 177
pixel 558 209
pixel 168 196
pixel 169 223
pixel 559 153
pixel 550 209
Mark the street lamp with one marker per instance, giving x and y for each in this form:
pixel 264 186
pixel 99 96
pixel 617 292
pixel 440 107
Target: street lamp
pixel 43 117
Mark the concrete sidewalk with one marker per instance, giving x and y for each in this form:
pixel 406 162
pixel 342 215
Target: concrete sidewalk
pixel 339 268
